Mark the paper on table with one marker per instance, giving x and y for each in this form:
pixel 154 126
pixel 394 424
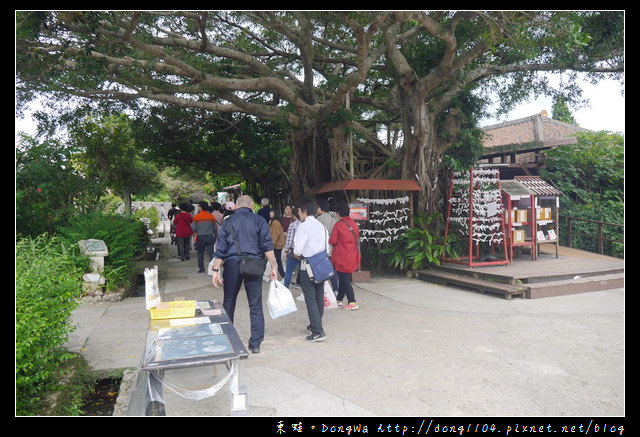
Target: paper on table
pixel 189 321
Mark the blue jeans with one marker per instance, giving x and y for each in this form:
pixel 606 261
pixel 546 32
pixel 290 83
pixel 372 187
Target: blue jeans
pixel 253 286
pixel 292 263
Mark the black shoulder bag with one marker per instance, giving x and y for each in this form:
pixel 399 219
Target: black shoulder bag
pixel 250 266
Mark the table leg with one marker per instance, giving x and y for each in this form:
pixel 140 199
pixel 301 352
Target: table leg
pixel 238 392
pixel 156 398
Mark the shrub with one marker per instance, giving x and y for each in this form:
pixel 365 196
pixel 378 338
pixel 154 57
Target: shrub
pixel 151 213
pixel 48 281
pixel 125 238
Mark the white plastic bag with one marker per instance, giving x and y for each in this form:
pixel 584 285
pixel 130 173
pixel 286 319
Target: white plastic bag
pixel 279 300
pixel 330 301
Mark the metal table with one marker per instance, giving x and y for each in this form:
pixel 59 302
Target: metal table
pixel 211 341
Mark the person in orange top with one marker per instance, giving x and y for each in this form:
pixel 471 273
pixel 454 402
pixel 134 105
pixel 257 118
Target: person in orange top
pixel 205 228
pixel 345 255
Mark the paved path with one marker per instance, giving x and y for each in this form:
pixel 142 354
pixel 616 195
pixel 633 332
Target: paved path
pixel 412 349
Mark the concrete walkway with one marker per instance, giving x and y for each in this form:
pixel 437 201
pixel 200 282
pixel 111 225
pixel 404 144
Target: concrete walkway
pixel 412 349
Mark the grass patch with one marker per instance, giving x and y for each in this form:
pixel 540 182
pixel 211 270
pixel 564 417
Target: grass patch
pixel 83 391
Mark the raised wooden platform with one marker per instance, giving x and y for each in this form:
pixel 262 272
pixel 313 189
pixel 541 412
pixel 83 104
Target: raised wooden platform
pixel 572 272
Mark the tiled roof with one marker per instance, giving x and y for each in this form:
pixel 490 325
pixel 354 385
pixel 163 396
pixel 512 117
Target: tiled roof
pixel 538 186
pixel 515 188
pixel 535 130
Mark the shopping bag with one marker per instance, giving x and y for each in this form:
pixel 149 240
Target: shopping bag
pixel 280 301
pixel 330 301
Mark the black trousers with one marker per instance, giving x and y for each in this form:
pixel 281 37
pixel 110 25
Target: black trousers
pixel 204 243
pixel 314 299
pixel 233 280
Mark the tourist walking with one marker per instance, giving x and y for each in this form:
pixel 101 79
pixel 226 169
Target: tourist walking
pixel 278 237
pixel 172 227
pixel 345 256
pixel 216 211
pixel 328 219
pixel 287 218
pixel 244 234
pixel 264 210
pixel 291 261
pixel 311 238
pixel 206 232
pixel 325 216
pixel 182 221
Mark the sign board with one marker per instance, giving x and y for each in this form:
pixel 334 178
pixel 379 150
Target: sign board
pixel 93 247
pixel 359 211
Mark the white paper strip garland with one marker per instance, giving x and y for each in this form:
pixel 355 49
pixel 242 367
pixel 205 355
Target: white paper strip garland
pixel 377 228
pixel 487 205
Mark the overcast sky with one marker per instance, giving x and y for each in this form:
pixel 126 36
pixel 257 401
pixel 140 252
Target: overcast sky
pixel 606 110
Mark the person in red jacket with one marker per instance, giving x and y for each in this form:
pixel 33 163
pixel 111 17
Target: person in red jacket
pixel 183 220
pixel 345 255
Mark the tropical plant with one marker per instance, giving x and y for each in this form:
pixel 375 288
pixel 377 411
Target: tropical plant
pixel 418 246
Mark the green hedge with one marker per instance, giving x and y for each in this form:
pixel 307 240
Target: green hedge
pixel 48 281
pixel 125 239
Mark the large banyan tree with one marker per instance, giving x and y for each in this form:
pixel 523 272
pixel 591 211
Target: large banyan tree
pixel 375 94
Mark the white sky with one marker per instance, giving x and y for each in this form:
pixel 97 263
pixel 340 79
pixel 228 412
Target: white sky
pixel 606 109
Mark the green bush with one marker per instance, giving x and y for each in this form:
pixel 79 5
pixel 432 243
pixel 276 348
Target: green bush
pixel 151 213
pixel 48 281
pixel 125 239
pixel 591 176
pixel 418 246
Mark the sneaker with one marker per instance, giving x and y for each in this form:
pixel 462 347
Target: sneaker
pixel 300 298
pixel 295 285
pixel 351 306
pixel 316 337
pixel 340 304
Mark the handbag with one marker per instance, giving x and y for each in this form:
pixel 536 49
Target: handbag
pixel 250 266
pixel 279 300
pixel 321 266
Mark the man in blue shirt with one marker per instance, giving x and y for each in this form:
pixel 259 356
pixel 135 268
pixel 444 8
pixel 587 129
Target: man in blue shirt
pixel 253 237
